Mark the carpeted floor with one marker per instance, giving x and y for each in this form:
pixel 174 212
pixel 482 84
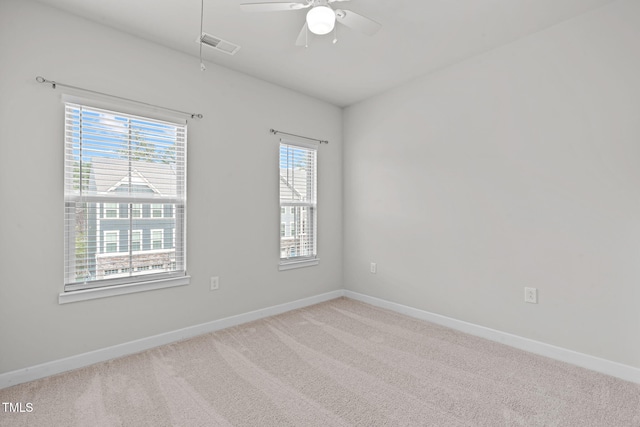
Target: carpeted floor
pixel 339 363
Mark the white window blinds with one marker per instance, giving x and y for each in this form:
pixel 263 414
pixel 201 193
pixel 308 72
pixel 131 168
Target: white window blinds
pixel 125 194
pixel 298 202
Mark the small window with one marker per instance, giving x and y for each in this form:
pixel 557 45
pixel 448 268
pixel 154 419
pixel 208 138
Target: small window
pixel 298 204
pixel 110 210
pixel 136 210
pixel 111 241
pixel 156 239
pixel 136 240
pixel 156 211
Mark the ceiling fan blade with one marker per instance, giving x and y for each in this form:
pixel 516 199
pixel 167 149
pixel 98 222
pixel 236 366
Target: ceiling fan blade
pixel 357 22
pixel 272 6
pixel 302 37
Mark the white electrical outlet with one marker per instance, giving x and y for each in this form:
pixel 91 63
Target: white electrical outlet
pixel 373 268
pixel 531 295
pixel 215 283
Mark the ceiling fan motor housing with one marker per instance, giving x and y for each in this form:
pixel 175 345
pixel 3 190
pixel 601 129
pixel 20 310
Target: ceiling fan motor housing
pixel 321 20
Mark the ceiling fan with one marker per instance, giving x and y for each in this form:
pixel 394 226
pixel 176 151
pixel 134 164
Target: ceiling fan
pixel 321 17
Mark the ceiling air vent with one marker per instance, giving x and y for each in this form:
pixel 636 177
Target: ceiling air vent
pixel 218 44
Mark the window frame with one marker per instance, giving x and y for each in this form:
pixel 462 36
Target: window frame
pixel 299 261
pixel 105 287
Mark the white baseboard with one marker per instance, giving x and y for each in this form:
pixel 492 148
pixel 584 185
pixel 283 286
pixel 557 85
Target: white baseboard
pixel 625 372
pixel 604 366
pixel 85 359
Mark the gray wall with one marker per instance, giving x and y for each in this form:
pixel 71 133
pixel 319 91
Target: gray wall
pixel 516 168
pixel 233 212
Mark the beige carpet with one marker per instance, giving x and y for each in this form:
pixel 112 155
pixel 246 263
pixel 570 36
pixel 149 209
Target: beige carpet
pixel 339 363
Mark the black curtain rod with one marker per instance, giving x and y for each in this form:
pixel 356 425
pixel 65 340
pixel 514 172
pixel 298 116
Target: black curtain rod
pixel 321 141
pixel 53 84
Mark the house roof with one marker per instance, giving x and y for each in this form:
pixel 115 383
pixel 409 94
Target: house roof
pixel 296 185
pixel 112 175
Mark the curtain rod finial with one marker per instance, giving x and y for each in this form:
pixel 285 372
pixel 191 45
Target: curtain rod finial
pixel 41 79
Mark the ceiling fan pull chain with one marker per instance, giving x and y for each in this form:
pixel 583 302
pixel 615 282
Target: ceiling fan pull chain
pixel 335 34
pixel 202 66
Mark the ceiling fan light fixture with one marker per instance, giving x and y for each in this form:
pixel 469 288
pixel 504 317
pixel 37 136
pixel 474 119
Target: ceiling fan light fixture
pixel 321 20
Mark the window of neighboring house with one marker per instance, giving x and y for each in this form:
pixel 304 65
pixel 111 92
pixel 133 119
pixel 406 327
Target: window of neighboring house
pixel 136 240
pixel 156 239
pixel 136 210
pixel 122 164
pixel 298 197
pixel 156 211
pixel 282 229
pixel 111 241
pixel 111 210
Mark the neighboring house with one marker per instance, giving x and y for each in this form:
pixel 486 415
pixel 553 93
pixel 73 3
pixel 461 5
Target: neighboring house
pixel 144 230
pixel 296 222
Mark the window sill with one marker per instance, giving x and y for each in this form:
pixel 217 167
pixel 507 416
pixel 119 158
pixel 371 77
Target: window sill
pixel 109 291
pixel 290 265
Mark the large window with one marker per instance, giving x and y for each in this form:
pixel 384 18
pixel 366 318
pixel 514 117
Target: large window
pixel 298 204
pixel 122 173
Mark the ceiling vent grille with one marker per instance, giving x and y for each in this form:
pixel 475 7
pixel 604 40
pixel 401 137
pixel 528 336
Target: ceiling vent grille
pixel 218 44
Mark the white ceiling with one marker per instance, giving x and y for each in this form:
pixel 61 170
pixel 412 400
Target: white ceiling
pixel 417 37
